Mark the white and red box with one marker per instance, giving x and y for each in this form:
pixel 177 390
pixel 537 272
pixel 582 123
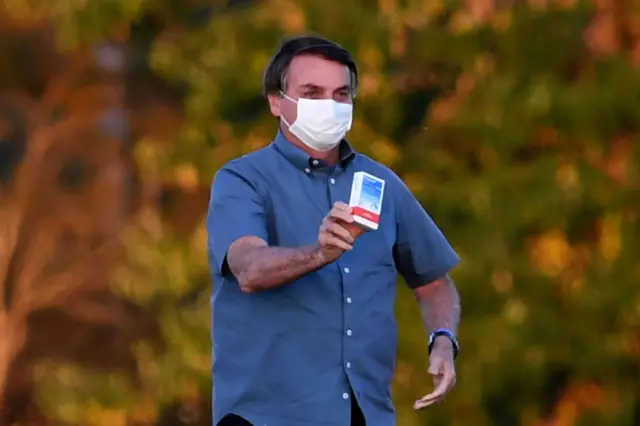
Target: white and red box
pixel 367 192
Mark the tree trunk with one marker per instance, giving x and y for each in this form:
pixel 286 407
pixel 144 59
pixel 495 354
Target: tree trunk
pixel 12 340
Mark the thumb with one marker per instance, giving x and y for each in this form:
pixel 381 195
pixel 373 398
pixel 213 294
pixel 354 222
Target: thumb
pixel 435 366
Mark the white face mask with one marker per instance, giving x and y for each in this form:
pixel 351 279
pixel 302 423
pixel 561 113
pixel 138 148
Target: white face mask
pixel 321 123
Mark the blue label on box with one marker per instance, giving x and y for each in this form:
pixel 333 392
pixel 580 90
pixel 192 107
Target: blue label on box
pixel 371 194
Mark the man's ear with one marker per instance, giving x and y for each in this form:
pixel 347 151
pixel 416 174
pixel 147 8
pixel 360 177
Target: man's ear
pixel 274 104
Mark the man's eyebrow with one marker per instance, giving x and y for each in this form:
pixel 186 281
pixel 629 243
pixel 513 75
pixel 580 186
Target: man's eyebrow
pixel 315 86
pixel 310 86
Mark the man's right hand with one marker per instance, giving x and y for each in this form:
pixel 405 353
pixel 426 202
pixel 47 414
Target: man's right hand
pixel 333 238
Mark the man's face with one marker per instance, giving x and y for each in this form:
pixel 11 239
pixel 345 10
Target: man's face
pixel 311 77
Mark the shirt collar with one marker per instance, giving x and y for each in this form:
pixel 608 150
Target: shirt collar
pixel 302 160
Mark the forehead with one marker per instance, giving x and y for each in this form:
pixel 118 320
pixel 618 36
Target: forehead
pixel 309 69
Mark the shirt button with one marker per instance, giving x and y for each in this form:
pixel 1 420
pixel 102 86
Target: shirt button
pixel 348 365
pixel 307 170
pixel 346 270
pixel 348 300
pixel 345 396
pixel 332 180
pixel 349 332
pixel 314 162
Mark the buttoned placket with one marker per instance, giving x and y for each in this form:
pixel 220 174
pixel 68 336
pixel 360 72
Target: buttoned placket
pixel 349 333
pixel 345 272
pixel 331 180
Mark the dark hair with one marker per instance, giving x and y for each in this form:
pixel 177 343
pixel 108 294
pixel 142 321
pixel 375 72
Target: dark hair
pixel 289 48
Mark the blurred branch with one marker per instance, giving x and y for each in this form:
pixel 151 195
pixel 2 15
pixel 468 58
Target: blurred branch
pixel 65 81
pixel 97 312
pixel 13 211
pixel 54 290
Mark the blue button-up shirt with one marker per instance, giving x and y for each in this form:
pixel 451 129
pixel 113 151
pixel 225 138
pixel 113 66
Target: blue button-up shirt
pixel 290 356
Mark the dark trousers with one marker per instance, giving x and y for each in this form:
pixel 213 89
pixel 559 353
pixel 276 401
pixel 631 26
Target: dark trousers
pixel 357 418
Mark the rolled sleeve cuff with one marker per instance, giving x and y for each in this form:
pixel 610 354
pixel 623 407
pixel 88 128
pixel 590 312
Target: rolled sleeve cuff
pixel 417 280
pixel 218 253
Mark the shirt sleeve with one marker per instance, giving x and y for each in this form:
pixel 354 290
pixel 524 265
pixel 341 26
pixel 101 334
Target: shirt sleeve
pixel 421 253
pixel 236 210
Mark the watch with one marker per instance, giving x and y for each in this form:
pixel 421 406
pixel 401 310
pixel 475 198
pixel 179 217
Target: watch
pixel 447 333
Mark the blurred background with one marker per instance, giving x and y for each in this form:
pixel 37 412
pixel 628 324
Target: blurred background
pixel 516 123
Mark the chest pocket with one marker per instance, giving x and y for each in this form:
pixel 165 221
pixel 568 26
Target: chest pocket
pixel 293 221
pixel 375 248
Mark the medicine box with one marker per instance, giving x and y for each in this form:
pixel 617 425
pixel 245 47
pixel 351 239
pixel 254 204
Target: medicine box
pixel 366 199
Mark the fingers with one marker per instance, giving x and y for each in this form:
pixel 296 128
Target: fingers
pixel 339 205
pixel 333 241
pixel 341 211
pixel 332 231
pixel 341 233
pixel 436 396
pixel 444 378
pixel 334 235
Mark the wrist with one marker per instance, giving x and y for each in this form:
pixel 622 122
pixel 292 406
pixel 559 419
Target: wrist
pixel 323 256
pixel 442 342
pixel 326 255
pixel 444 339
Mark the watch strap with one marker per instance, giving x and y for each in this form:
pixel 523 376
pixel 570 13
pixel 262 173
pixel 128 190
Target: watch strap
pixel 448 333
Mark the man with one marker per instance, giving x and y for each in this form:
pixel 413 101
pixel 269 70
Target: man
pixel 303 306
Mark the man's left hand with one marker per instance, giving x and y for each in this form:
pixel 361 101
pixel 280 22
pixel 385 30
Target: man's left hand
pixel 442 369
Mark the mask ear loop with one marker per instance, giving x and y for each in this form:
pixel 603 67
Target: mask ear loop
pixel 283 95
pixel 284 120
pixel 289 98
